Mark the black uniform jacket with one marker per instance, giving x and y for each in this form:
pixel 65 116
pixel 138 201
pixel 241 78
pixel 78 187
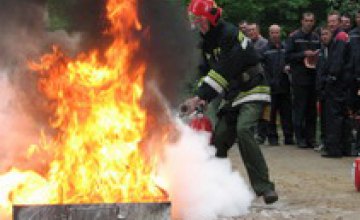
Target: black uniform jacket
pixel 354 100
pixel 228 53
pixel 296 44
pixel 273 59
pixel 333 69
pixel 355 52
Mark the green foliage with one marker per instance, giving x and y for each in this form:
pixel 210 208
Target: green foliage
pixel 75 15
pixel 345 6
pixel 59 16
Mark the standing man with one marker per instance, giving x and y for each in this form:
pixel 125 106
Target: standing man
pixel 340 37
pixel 333 69
pixel 259 45
pixel 273 57
pixel 355 71
pixel 346 22
pixel 301 51
pixel 243 26
pixel 234 72
pixel 255 36
pixel 354 36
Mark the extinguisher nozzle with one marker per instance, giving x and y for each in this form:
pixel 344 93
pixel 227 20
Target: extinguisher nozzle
pixel 184 108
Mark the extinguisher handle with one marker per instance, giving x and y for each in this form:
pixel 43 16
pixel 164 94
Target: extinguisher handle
pixel 200 109
pixel 184 109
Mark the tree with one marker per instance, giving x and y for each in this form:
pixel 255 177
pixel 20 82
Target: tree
pixel 345 6
pixel 76 15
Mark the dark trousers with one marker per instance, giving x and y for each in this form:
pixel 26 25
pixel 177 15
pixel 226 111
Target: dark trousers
pixel 237 125
pixel 322 121
pixel 335 126
pixel 357 139
pixel 281 103
pixel 348 138
pixel 354 104
pixel 305 115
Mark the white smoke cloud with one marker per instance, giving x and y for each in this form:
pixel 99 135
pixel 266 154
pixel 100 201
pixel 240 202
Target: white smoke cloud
pixel 200 185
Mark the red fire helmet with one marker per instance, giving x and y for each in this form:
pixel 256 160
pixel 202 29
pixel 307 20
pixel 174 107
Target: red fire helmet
pixel 205 8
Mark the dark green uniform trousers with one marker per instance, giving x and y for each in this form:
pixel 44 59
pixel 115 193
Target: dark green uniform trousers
pixel 238 124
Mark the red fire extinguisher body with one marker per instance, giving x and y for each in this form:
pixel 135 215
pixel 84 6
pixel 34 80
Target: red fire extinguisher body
pixel 357 173
pixel 201 123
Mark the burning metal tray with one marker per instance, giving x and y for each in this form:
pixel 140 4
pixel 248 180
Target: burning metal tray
pixel 120 211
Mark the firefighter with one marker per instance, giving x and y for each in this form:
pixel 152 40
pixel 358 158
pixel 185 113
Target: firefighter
pixel 354 36
pixel 302 46
pixel 341 37
pixel 333 72
pixel 273 58
pixel 234 73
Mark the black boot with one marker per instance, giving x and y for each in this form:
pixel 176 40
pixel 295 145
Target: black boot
pixel 270 196
pixel 289 141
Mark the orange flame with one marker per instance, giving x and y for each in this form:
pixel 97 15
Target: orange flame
pixel 100 123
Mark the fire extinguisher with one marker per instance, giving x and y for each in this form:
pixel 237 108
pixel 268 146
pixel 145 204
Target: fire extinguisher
pixel 201 122
pixel 356 173
pixel 197 120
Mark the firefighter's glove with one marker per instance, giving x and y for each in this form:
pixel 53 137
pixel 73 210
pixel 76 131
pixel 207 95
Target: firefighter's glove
pixel 191 105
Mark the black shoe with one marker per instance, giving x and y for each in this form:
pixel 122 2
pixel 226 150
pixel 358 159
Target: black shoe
pixel 273 143
pixel 302 144
pixel 289 142
pixel 347 154
pixel 270 196
pixel 328 155
pixel 350 153
pixel 260 140
pixel 311 144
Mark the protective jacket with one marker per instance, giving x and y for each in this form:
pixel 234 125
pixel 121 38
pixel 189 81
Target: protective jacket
pixel 232 67
pixel 333 68
pixel 355 52
pixel 297 43
pixel 354 36
pixel 273 58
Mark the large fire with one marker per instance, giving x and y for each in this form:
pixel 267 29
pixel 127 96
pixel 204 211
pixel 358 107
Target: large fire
pixel 96 156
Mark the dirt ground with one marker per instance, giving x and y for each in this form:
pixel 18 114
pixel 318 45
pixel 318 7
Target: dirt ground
pixel 309 186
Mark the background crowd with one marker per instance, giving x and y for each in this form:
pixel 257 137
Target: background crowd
pixel 313 73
